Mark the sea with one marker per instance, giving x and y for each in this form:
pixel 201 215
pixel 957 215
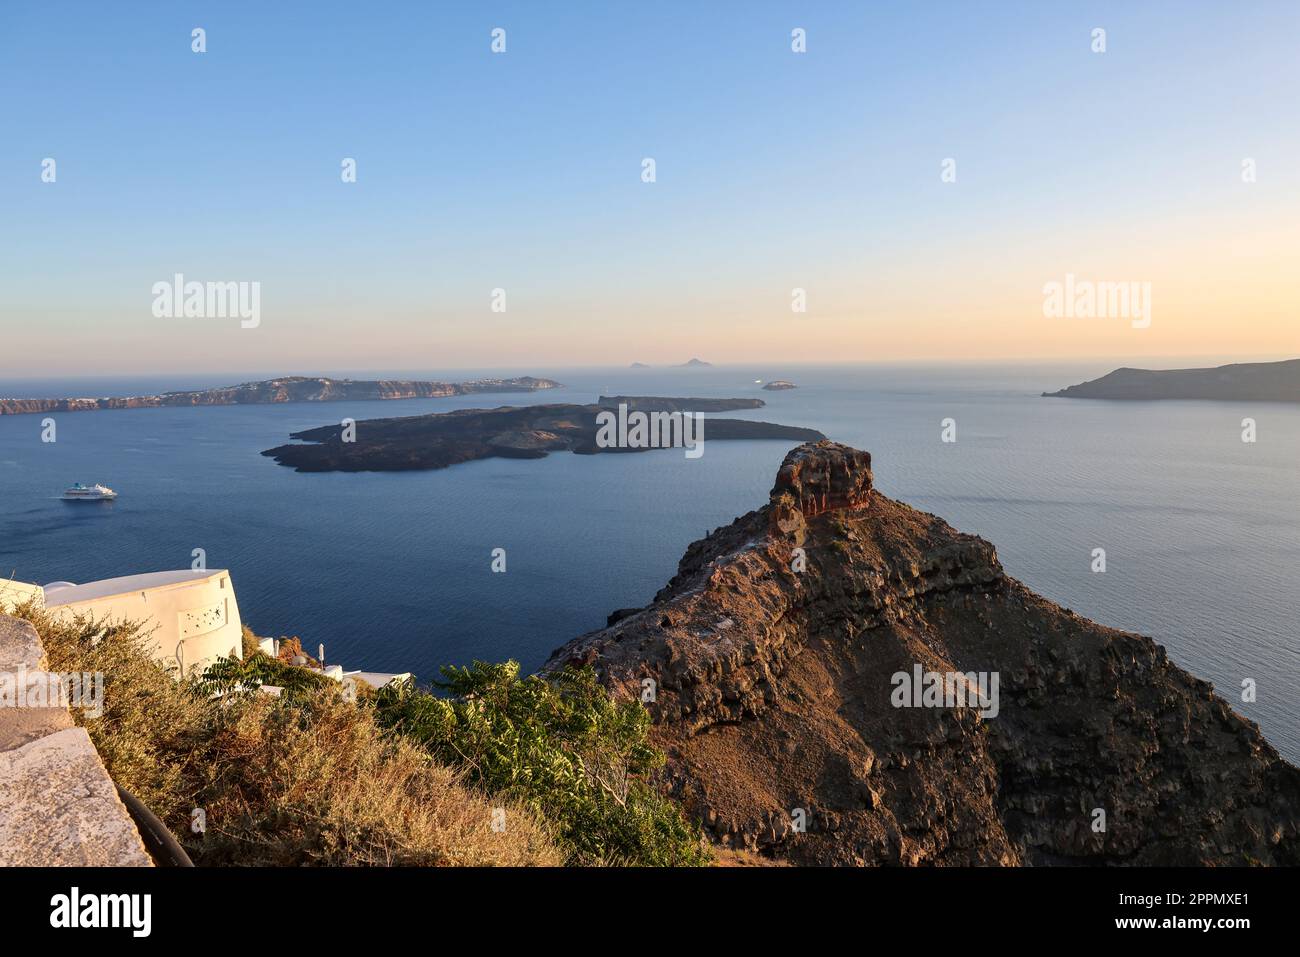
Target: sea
pixel 393 571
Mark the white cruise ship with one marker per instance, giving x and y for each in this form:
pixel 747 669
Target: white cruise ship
pixel 95 493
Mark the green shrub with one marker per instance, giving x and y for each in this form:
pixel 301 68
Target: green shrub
pixel 559 744
pixel 257 669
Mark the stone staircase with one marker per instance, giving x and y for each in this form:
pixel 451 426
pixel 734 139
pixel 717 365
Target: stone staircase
pixel 58 806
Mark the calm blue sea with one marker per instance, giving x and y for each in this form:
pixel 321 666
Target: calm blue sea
pixel 392 571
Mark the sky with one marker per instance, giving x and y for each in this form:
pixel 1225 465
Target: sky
pixel 522 171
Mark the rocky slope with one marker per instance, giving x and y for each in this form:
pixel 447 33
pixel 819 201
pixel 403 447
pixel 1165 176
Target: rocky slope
pixel 773 653
pixel 286 389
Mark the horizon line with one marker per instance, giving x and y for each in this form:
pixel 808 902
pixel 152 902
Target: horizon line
pixel 1215 359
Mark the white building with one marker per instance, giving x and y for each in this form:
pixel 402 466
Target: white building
pixel 375 679
pixel 13 594
pixel 189 618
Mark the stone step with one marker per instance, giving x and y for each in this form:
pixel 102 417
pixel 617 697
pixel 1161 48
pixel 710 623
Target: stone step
pixel 58 806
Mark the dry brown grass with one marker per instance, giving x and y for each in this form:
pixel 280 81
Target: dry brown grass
pixel 321 785
pixel 313 783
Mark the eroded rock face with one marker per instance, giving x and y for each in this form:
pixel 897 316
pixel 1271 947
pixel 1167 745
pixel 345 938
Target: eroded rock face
pixel 815 478
pixel 772 656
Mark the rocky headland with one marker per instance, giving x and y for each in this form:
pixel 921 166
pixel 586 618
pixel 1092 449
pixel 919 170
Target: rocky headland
pixel 1244 381
pixel 285 389
pixel 775 654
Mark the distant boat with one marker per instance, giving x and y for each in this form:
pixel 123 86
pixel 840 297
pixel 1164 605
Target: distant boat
pixel 95 493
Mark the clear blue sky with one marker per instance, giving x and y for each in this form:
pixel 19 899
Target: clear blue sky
pixel 522 170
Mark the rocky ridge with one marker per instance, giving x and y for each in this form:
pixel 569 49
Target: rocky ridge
pixel 773 653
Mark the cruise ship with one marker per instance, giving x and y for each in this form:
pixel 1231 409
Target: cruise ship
pixel 95 493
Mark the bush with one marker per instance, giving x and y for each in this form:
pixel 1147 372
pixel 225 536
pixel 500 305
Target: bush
pixel 251 645
pixel 232 674
pixel 322 784
pixel 559 744
pixel 291 648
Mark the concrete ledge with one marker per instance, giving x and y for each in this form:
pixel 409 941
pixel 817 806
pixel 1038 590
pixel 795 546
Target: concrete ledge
pixel 58 806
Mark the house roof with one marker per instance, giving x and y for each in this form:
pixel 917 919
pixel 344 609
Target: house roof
pixel 64 593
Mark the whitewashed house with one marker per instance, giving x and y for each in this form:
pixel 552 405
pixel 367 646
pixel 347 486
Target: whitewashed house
pixel 190 617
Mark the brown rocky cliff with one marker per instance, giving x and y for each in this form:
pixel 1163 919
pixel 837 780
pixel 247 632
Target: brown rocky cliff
pixel 773 687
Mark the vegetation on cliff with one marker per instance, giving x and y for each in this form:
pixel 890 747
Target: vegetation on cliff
pixel 506 771
pixel 305 779
pixel 560 745
pixel 257 669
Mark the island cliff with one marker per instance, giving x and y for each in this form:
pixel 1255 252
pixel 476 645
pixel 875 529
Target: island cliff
pixel 772 660
pixel 285 389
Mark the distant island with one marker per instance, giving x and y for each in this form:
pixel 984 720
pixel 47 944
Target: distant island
pixel 284 389
pixel 778 385
pixel 1244 381
pixel 655 403
pixel 444 439
pixel 689 364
